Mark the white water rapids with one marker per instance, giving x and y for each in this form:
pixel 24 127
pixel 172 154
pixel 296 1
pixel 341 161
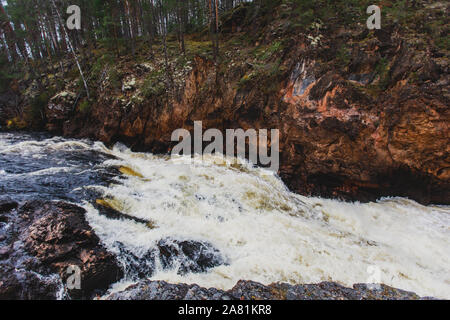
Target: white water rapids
pixel 267 233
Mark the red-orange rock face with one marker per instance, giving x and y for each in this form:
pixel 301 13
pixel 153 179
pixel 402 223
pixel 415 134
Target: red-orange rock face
pixel 341 136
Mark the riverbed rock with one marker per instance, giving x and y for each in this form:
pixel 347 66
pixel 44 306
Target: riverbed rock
pixel 20 284
pixel 193 256
pixel 187 256
pixel 160 290
pixel 250 290
pixel 7 205
pixel 49 241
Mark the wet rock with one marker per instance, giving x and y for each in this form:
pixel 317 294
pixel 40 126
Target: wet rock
pixel 384 292
pixel 7 205
pixel 47 238
pixel 193 256
pixel 160 290
pixel 104 208
pixel 59 235
pixel 4 252
pixel 186 256
pixel 19 284
pixel 250 290
pixel 138 266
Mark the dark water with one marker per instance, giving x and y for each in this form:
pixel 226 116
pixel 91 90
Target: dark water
pixel 38 166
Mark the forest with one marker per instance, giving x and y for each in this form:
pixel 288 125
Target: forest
pixel 33 29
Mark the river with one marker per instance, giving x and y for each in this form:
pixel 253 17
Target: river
pixel 263 231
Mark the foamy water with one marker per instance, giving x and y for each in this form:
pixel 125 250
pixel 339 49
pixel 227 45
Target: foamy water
pixel 269 234
pixel 264 232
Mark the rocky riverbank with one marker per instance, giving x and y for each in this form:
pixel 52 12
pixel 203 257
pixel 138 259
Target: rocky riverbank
pixel 249 290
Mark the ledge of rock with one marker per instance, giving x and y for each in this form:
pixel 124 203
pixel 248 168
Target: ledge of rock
pixel 249 290
pixel 42 240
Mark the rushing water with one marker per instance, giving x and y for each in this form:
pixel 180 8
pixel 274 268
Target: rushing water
pixel 264 232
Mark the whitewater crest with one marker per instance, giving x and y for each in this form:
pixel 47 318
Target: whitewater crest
pixel 243 219
pixel 265 232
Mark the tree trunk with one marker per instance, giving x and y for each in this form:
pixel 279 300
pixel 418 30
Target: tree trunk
pixel 71 49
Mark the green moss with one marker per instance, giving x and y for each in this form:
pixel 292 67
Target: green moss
pixel 264 76
pixel 114 79
pixel 84 107
pixel 99 66
pixel 400 12
pixel 34 114
pixel 343 56
pixel 154 84
pixel 443 42
pixel 265 53
pixel 382 70
pixel 194 47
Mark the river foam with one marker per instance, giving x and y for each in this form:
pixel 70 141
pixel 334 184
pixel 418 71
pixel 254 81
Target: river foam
pixel 265 232
pixel 269 234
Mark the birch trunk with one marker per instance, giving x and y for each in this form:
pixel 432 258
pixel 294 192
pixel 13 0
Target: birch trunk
pixel 63 27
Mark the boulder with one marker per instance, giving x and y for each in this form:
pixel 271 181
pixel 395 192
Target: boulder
pixel 193 256
pixel 51 240
pixel 187 256
pixel 59 110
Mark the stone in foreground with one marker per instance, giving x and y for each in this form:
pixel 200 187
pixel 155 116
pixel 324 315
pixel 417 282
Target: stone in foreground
pixel 249 290
pixel 42 241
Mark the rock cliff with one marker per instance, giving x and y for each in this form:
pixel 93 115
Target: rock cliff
pixel 362 114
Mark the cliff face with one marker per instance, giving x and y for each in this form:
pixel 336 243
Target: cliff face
pixel 361 114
